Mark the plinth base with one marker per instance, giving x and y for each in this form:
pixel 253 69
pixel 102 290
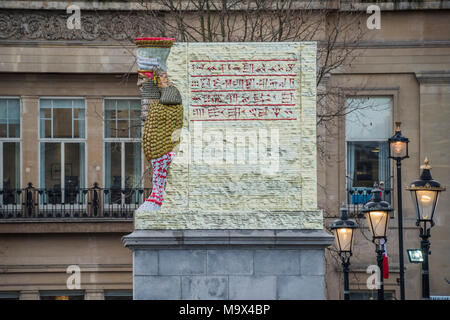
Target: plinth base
pixel 228 264
pixel 228 220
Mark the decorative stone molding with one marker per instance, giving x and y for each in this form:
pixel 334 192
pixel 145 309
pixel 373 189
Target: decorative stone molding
pixel 343 5
pixel 433 77
pixel 358 5
pixel 95 25
pixel 287 238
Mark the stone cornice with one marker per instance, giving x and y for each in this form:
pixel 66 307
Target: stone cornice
pixel 62 5
pixel 65 225
pixel 31 27
pixel 342 5
pixel 394 44
pixel 355 5
pixel 433 77
pixel 228 238
pixel 128 43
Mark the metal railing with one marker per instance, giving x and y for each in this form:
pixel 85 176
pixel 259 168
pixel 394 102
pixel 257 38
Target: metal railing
pixel 94 202
pixel 358 197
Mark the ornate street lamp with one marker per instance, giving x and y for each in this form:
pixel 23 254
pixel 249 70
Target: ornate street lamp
pixel 398 144
pixel 377 215
pixel 425 195
pixel 343 237
pixel 398 150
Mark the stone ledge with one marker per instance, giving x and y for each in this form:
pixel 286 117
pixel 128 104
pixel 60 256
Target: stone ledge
pixel 84 226
pixel 288 238
pixel 62 268
pixel 113 5
pixel 434 77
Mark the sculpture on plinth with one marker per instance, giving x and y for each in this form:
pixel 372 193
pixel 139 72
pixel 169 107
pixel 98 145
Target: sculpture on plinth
pixel 162 111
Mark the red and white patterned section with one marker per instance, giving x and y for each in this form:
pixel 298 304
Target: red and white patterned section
pixel 160 167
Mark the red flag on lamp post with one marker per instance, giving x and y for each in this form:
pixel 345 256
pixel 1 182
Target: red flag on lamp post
pixel 385 260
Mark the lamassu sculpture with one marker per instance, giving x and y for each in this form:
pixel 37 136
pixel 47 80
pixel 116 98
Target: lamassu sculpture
pixel 162 110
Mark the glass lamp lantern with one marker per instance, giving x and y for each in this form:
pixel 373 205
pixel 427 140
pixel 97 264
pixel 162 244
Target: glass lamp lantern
pixel 398 144
pixel 377 213
pixel 425 194
pixel 343 229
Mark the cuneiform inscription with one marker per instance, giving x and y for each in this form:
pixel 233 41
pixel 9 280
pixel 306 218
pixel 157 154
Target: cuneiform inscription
pixel 258 89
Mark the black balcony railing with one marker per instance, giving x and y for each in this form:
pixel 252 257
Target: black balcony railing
pixel 358 197
pixel 94 202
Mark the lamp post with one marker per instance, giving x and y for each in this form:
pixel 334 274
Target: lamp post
pixel 398 150
pixel 425 195
pixel 377 216
pixel 343 238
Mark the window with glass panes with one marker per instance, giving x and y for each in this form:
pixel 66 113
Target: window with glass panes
pixel 9 295
pixel 10 149
pixel 367 129
pixel 122 148
pixel 62 147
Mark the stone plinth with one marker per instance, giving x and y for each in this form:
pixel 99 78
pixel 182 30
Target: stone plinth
pixel 240 217
pixel 228 264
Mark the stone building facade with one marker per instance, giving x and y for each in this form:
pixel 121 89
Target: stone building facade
pixel 61 89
